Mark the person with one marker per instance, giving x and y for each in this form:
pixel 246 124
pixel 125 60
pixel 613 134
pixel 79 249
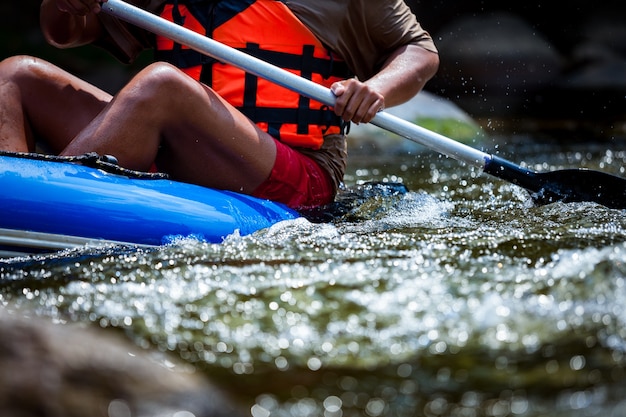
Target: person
pixel 202 121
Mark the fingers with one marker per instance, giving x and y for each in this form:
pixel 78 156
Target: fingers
pixel 356 102
pixel 79 7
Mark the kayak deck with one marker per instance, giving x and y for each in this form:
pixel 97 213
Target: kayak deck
pixel 48 205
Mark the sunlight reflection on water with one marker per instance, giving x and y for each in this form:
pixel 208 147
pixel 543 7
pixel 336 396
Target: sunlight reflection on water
pixel 457 298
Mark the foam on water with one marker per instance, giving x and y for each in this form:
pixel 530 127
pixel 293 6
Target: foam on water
pixel 467 301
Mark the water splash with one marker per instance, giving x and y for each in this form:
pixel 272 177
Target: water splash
pixel 467 301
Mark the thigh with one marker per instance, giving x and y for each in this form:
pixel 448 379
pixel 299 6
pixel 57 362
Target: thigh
pixel 57 104
pixel 164 116
pixel 212 144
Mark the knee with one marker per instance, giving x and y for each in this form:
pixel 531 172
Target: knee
pixel 156 92
pixel 28 71
pixel 163 79
pixel 162 88
pixel 18 66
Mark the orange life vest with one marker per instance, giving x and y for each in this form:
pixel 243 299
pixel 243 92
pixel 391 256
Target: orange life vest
pixel 268 30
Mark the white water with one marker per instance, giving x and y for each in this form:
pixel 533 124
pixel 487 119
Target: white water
pixel 458 298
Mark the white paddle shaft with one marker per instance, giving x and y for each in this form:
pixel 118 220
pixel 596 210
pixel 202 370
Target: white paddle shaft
pixel 307 88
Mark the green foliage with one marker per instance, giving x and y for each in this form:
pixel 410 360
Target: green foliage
pixel 460 130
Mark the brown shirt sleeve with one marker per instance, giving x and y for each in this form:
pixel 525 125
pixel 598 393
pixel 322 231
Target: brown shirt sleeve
pixel 363 32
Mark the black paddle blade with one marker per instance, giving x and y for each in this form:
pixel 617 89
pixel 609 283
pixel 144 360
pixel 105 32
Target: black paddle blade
pixel 578 185
pixel 568 185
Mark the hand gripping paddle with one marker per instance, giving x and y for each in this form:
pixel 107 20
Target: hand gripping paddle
pixel 569 185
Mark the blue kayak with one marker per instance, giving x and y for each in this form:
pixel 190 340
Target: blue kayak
pixel 49 204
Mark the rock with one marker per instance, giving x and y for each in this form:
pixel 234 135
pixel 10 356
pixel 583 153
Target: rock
pixel 60 370
pixel 599 59
pixel 491 64
pixel 589 95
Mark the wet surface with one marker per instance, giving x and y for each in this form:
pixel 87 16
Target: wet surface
pixel 457 296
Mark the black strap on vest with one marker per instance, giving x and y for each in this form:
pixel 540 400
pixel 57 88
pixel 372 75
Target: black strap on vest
pixel 213 13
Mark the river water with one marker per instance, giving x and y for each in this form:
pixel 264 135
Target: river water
pixel 456 298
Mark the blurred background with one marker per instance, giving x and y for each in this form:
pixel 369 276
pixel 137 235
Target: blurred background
pixel 519 66
pixel 538 70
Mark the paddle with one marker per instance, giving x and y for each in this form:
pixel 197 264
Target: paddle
pixel 570 185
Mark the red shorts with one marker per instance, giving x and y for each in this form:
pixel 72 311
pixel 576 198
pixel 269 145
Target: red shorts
pixel 296 180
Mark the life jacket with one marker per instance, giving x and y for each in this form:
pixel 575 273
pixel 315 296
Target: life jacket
pixel 268 30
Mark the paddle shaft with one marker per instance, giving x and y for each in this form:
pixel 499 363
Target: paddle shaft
pixel 250 64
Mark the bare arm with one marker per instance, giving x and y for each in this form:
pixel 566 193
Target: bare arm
pixel 403 75
pixel 70 23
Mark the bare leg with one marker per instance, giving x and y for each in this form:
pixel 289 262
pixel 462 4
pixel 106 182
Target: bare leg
pixel 40 100
pixel 165 116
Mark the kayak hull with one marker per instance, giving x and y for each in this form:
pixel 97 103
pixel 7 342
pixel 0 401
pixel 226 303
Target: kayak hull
pixel 49 205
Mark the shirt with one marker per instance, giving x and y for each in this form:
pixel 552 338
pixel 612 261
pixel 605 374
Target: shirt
pixel 362 32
